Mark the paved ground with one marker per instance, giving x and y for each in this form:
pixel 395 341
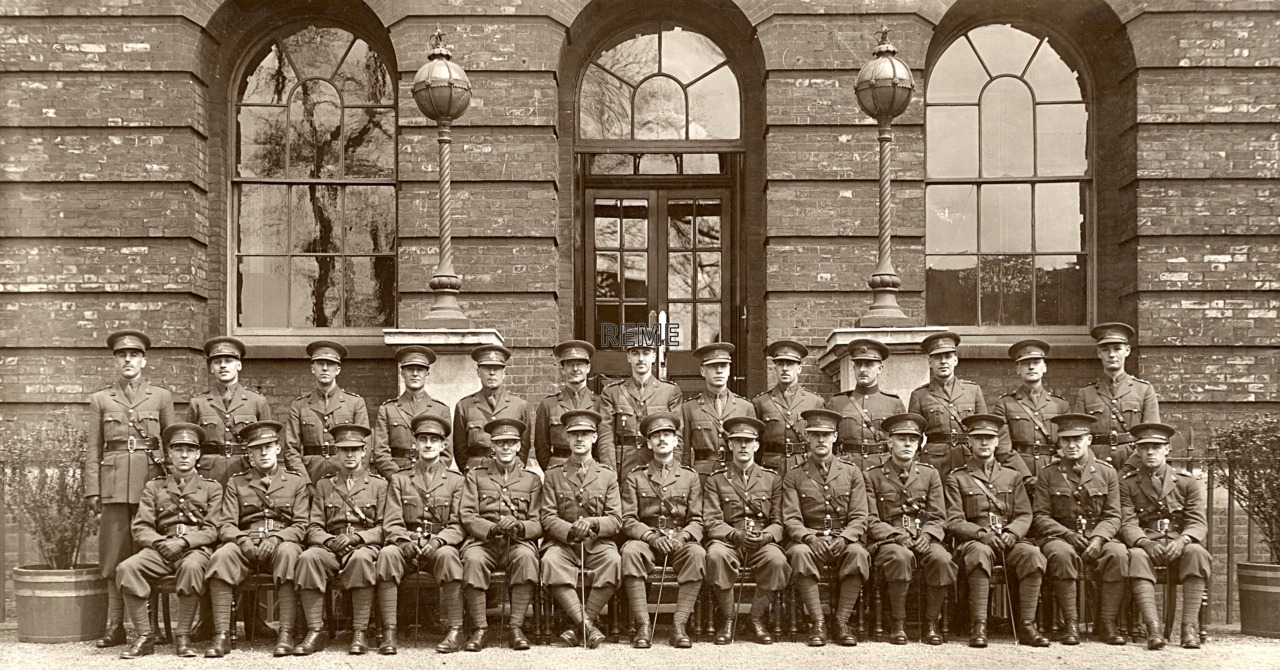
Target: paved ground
pixel 1226 651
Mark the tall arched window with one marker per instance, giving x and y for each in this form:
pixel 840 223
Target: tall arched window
pixel 1007 184
pixel 314 185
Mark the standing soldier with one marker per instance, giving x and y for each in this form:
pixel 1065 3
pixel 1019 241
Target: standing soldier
pixel 176 524
pixel 631 400
pixel 550 443
pixel 344 538
pixel 662 515
pixel 581 514
pixel 1027 412
pixel 309 439
pixel 824 508
pixel 471 444
pixel 702 418
pixel 123 453
pixel 263 523
pixel 907 525
pixel 742 511
pixel 423 533
pixel 861 442
pixel 780 407
pixel 500 505
pixel 1117 400
pixel 989 514
pixel 1077 518
pixel 1164 524
pixel 944 402
pixel 225 409
pixel 394 447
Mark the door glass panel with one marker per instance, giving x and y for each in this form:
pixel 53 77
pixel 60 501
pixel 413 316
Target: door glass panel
pixel 708 224
pixel 709 275
pixel 635 227
pixel 606 315
pixel 681 314
pixel 637 275
pixel 607 285
pixel 708 323
pixel 606 223
pixel 680 224
pixel 680 275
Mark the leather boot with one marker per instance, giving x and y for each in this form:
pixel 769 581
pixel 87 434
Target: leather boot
pixel 388 645
pixel 114 636
pixel 359 643
pixel 724 634
pixel 219 645
pixel 680 637
pixel 284 642
pixel 182 646
pixel 570 637
pixel 1029 635
pixel 476 641
pixel 978 634
pixel 594 637
pixel 1108 633
pixel 898 631
pixel 518 641
pixel 643 637
pixel 1155 640
pixel 760 628
pixel 817 632
pixel 452 641
pixel 933 636
pixel 845 636
pixel 1190 636
pixel 143 644
pixel 316 640
pixel 1070 633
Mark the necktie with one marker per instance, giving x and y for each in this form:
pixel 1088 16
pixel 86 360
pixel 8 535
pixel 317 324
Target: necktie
pixel 720 405
pixel 493 401
pixel 227 395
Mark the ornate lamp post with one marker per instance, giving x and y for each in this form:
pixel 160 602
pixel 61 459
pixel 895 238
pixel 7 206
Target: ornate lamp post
pixel 884 87
pixel 443 93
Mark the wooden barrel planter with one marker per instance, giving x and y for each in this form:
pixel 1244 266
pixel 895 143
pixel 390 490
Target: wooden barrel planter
pixel 60 605
pixel 1259 586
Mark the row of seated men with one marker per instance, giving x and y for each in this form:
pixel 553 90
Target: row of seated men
pixel 357 531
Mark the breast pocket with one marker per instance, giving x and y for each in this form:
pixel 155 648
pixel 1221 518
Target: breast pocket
pixel 149 421
pixel 938 417
pixel 241 420
pixel 521 504
pixel 566 505
pixel 705 435
pixel 398 433
pixel 115 426
pixel 1062 503
pixel 775 430
pixel 312 430
pixel 1099 411
pixel 1132 411
pixel 476 434
pixel 973 504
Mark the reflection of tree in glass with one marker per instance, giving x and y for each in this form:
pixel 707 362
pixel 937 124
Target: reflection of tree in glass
pixel 605 105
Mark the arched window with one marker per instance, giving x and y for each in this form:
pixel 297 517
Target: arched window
pixel 1007 184
pixel 314 185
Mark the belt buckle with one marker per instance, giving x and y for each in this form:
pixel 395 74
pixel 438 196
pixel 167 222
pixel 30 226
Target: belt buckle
pixel 131 444
pixel 179 530
pixel 1162 526
pixel 258 534
pixel 269 525
pixel 997 524
pixel 349 530
pixel 1114 438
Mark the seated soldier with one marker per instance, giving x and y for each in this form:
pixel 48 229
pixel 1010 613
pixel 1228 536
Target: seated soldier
pixel 264 517
pixel 908 511
pixel 742 511
pixel 989 514
pixel 423 533
pixel 343 540
pixel 176 525
pixel 581 514
pixel 824 510
pixel 500 503
pixel 662 516
pixel 1163 514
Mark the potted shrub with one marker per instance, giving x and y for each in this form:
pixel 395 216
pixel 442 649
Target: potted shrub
pixel 1247 453
pixel 59 600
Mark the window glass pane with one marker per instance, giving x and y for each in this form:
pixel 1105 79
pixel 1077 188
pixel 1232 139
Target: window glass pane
pixel 264 219
pixel 680 318
pixel 957 77
pixel 1051 79
pixel 951 219
pixel 613 164
pixel 679 224
pixel 315 219
pixel 606 314
pixel 261 293
pixel 953 290
pixel 1059 218
pixel 708 323
pixel 1006 290
pixel 1060 139
pixel 1004 49
pixel 1006 218
pixel 363 78
pixel 709 275
pixel 635 224
pixel 714 107
pixel 261 142
pixel 1006 129
pixel 314 119
pixel 606 223
pixel 370 291
pixel 604 107
pixel 709 224
pixel 316 52
pixel 660 110
pixel 687 55
pixel 370 219
pixel 315 292
pixel 680 275
pixel 952 137
pixel 637 275
pixel 632 60
pixel 1061 299
pixel 607 283
pixel 270 80
pixel 658 164
pixel 702 164
pixel 369 148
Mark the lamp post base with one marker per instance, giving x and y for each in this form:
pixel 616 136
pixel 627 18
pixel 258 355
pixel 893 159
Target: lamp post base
pixel 445 312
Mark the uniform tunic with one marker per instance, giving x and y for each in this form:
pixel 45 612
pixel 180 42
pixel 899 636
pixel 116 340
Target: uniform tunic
pixel 1085 502
pixel 394 447
pixel 471 444
pixel 749 501
pixel 860 440
pixel 488 495
pixel 1028 432
pixel 782 444
pixel 423 505
pixel 1117 407
pixel 309 445
pixel 977 498
pixel 571 491
pixel 943 406
pixel 171 507
pixel 223 455
pixel 664 500
pixel 1163 508
pixel 908 501
pixel 360 513
pixel 702 430
pixel 630 403
pixel 259 507
pixel 831 504
pixel 551 442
